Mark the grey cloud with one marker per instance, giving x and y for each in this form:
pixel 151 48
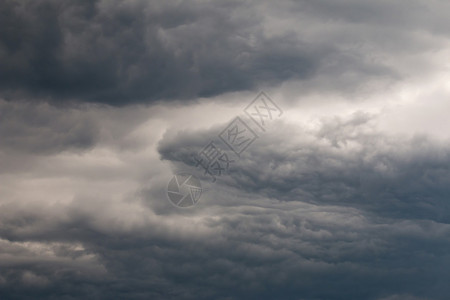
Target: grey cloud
pixel 342 211
pixel 346 162
pixel 133 51
pixel 288 222
pixel 398 15
pixel 145 51
pixel 284 252
pixel 25 276
pixel 44 129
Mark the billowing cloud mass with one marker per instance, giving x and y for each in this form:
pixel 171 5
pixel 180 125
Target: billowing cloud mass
pixel 344 196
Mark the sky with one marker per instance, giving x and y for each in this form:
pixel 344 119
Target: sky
pixel 342 194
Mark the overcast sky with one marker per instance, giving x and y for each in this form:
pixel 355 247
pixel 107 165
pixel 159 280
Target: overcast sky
pixel 346 195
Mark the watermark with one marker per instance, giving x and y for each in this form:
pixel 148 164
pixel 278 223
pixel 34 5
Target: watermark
pixel 262 110
pixel 184 190
pixel 213 160
pixel 238 136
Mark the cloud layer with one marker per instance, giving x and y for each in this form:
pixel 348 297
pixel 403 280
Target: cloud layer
pixel 344 197
pixel 118 52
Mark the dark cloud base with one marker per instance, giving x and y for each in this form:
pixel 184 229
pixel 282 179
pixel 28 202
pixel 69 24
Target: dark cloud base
pixel 339 212
pixel 249 253
pixel 302 217
pixel 343 163
pixel 121 52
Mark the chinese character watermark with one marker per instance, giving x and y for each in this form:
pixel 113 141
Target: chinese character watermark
pixel 184 190
pixel 238 136
pixel 213 160
pixel 262 110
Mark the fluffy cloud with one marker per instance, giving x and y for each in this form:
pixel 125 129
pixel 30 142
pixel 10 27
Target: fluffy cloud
pixel 344 197
pixel 118 52
pixel 342 205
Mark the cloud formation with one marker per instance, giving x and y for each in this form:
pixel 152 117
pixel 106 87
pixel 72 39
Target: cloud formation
pixel 120 52
pixel 344 197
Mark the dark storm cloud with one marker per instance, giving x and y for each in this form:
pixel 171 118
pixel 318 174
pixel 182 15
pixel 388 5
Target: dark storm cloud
pixel 118 52
pixel 344 163
pixel 379 200
pixel 282 251
pixel 399 15
pixel 43 129
pixel 300 216
pixel 340 211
